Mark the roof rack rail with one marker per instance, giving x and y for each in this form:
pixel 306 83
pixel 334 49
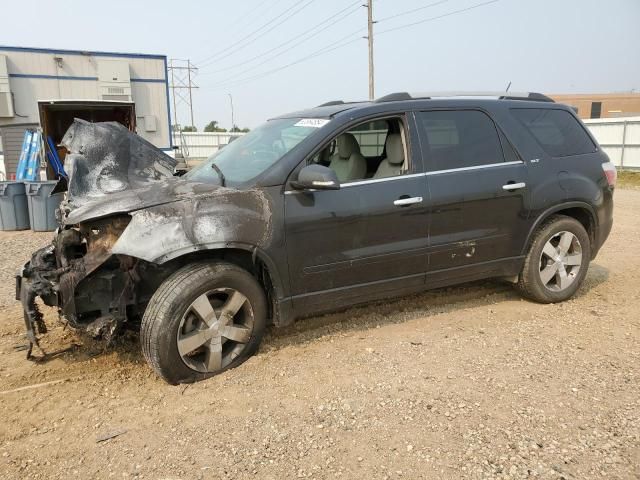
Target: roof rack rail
pixel 399 96
pixel 331 103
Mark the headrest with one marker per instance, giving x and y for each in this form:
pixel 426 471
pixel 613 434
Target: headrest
pixel 395 151
pixel 347 145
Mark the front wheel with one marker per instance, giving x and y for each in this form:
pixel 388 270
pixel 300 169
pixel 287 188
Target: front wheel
pixel 204 319
pixel 557 261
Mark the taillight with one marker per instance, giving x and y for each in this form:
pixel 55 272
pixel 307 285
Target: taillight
pixel 611 173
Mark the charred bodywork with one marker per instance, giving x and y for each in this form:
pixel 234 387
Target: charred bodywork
pixel 124 219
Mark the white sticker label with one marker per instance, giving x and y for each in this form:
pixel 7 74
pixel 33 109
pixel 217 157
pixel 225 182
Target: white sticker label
pixel 312 122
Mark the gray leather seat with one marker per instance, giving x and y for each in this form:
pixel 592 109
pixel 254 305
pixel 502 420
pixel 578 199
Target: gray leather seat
pixel 394 163
pixel 347 162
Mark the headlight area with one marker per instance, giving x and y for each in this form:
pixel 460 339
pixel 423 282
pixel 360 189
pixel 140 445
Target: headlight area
pixel 94 290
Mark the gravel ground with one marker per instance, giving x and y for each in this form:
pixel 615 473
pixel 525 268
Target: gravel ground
pixel 16 250
pixel 466 382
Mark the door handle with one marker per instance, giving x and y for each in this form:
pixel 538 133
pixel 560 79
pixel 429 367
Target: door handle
pixel 401 202
pixel 514 186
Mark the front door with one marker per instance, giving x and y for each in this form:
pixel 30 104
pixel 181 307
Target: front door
pixel 367 239
pixel 478 200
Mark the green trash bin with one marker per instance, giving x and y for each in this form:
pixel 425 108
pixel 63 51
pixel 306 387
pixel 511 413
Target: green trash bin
pixel 14 212
pixel 43 205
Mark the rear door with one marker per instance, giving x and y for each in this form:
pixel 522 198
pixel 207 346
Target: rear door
pixel 364 241
pixel 478 201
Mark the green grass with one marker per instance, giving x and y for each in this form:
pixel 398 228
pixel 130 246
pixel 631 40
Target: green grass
pixel 628 178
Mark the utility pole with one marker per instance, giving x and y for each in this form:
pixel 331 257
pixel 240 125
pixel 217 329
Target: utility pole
pixel 181 80
pixel 233 122
pixel 370 23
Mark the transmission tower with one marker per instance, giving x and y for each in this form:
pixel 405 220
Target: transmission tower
pixel 182 73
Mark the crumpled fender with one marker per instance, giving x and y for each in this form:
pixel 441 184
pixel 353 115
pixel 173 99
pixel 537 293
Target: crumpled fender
pixel 226 218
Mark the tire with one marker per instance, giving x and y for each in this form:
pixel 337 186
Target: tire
pixel 203 301
pixel 546 254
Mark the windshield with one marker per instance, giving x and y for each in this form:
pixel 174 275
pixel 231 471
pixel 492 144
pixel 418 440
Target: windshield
pixel 252 154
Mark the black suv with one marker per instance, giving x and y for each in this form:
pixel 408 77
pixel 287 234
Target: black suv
pixel 314 211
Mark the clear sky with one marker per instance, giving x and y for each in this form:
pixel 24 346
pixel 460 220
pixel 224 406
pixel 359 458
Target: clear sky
pixel 243 47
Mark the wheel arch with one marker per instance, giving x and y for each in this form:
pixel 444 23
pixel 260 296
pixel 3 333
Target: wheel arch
pixel 248 257
pixel 580 211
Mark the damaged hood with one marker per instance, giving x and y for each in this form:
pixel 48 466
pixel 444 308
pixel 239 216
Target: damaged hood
pixel 158 193
pixel 106 159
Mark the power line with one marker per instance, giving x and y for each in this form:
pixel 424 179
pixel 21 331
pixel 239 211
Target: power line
pixel 269 59
pixel 247 18
pixel 306 33
pixel 327 49
pixel 462 10
pixel 337 45
pixel 239 46
pixel 408 12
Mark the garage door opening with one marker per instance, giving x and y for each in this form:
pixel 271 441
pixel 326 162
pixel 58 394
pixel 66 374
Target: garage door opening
pixel 56 116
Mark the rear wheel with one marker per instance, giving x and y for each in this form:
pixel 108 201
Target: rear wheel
pixel 202 320
pixel 557 261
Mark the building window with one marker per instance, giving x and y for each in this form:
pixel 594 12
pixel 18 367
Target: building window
pixel 596 109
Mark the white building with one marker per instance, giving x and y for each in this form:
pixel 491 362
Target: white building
pixel 48 88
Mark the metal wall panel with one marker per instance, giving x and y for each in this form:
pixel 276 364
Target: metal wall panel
pixel 37 74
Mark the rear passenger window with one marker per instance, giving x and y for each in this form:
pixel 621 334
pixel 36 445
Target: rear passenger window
pixel 458 139
pixel 557 131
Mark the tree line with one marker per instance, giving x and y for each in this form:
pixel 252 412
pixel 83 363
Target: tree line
pixel 212 126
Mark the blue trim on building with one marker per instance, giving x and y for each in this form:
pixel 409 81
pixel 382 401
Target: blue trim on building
pixel 80 52
pixel 166 76
pixel 50 77
pixel 149 80
pixel 71 77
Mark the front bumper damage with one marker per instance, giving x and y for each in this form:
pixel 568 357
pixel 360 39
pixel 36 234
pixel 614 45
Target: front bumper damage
pixel 78 274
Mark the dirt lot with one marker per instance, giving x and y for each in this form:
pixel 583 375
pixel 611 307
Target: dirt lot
pixel 466 382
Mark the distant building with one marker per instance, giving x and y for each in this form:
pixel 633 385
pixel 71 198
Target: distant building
pixel 601 105
pixel 47 88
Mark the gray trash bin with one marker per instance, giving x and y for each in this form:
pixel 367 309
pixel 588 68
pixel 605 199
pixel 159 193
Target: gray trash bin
pixel 14 212
pixel 42 206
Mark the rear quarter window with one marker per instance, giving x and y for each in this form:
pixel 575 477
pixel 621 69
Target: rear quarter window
pixel 557 131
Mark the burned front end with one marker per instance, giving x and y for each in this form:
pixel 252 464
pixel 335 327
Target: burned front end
pixel 93 289
pixel 125 225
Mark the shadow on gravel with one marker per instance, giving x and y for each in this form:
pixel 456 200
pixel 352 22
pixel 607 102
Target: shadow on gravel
pixel 362 318
pixel 399 310
pixel 392 311
pixel 597 275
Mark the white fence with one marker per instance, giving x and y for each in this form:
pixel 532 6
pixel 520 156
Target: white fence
pixel 619 138
pixel 201 145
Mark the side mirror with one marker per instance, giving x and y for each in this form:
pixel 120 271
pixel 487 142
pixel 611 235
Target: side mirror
pixel 316 177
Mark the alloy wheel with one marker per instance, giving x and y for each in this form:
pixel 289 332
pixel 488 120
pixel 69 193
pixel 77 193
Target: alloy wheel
pixel 215 330
pixel 560 261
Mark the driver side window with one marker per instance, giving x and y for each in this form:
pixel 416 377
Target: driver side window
pixel 374 149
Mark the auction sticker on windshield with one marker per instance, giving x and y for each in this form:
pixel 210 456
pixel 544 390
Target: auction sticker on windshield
pixel 312 122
